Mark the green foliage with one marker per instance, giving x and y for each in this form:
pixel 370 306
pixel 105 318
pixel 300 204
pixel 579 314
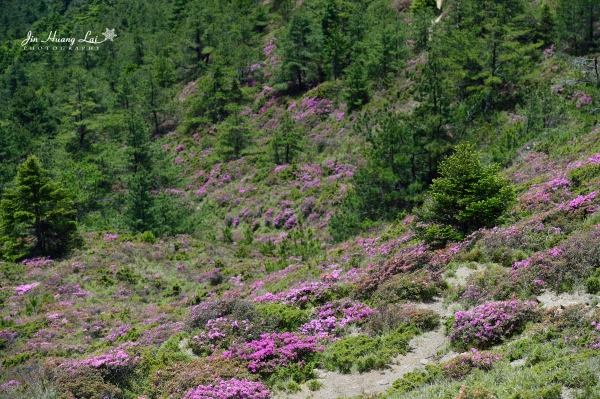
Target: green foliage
pixel 357 89
pixel 415 379
pixel 139 201
pixel 299 46
pixel 314 385
pixel 552 392
pixel 577 20
pixel 234 136
pixel 416 286
pixel 36 216
pixel 286 142
pixel 148 237
pixel 286 318
pixel 466 197
pixel 592 284
pixel 420 5
pixel 363 353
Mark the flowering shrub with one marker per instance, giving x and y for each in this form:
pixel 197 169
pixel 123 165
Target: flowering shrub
pixel 561 267
pixel 23 289
pixel 9 386
pixel 230 389
pixel 408 259
pixel 490 323
pixel 474 392
pixel 273 350
pixel 7 337
pixel 311 292
pixel 336 315
pixel 201 314
pixel 108 237
pixel 419 285
pixel 219 334
pixel 114 361
pixel 37 262
pixel 459 367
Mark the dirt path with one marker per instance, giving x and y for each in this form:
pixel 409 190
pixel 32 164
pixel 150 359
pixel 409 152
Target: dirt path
pixel 424 350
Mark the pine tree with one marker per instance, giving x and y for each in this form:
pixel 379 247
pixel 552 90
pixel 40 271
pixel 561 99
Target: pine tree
pixel 299 46
pixel 36 216
pixel 286 142
pixel 139 201
pixel 234 135
pixel 335 39
pixel 467 196
pixel 357 87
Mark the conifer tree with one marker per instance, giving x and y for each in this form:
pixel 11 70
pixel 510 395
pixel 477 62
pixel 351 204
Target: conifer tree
pixel 467 196
pixel 299 45
pixel 234 135
pixel 286 143
pixel 36 216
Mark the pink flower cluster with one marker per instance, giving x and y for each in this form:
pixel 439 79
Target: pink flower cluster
pixel 118 332
pixel 479 360
pixel 230 389
pixel 312 106
pixel 581 200
pixel 372 247
pixel 333 316
pixel 37 262
pixel 74 290
pixel 491 322
pixel 218 331
pixel 116 359
pixel 110 237
pixel 273 350
pixel 7 336
pixel 23 289
pixel 308 292
pixel 10 385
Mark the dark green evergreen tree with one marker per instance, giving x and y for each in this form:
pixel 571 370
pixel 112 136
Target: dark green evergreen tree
pixel 234 135
pixel 286 142
pixel 299 46
pixel 357 86
pixel 139 201
pixel 467 196
pixel 335 38
pixel 36 216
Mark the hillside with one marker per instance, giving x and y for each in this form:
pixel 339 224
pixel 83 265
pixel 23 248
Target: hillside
pixel 300 199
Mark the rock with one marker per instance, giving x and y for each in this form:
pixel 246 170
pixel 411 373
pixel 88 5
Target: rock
pixel 424 361
pixel 382 382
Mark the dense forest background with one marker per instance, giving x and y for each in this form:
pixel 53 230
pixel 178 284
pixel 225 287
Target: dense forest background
pixel 208 73
pixel 232 196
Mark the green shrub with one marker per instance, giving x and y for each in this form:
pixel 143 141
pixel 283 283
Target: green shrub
pixel 551 392
pixel 85 384
pixel 126 274
pixel 17 360
pixel 592 284
pixel 287 318
pixel 390 317
pixel 314 385
pixel 363 353
pixel 27 330
pixel 415 379
pixel 584 174
pixel 148 237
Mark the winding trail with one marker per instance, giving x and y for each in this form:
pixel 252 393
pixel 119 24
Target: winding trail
pixel 424 349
